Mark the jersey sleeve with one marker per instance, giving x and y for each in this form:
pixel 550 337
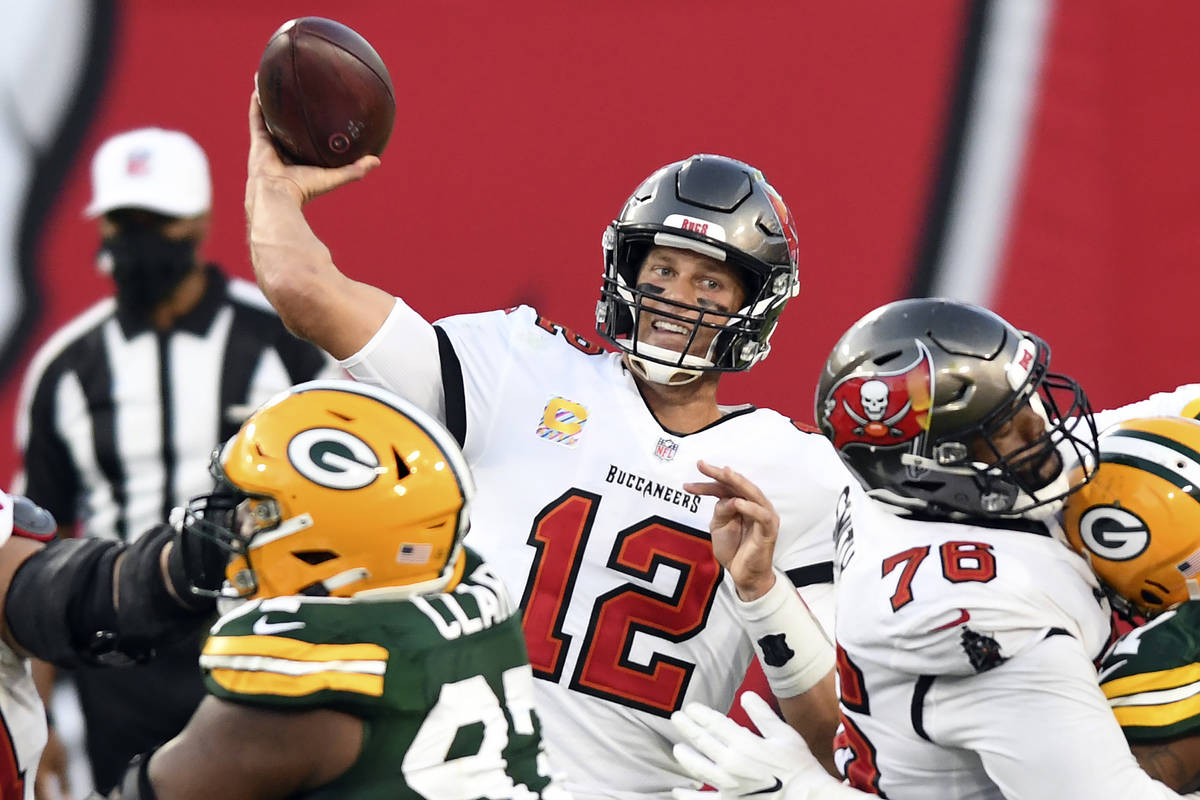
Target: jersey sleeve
pixel 482 355
pixel 291 656
pixel 807 504
pixel 403 356
pixel 807 501
pixel 1039 725
pixel 1151 677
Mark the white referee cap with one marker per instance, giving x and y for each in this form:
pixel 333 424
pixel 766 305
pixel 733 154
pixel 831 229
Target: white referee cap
pixel 153 169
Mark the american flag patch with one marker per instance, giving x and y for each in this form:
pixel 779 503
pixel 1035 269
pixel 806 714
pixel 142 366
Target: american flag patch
pixel 1190 566
pixel 138 163
pixel 414 553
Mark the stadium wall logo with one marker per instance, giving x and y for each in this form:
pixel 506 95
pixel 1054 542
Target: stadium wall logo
pixel 58 51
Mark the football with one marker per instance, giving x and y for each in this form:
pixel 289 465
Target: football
pixel 325 93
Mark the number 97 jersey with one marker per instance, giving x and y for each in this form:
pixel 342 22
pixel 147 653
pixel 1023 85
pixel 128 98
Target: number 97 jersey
pixel 581 509
pixel 440 681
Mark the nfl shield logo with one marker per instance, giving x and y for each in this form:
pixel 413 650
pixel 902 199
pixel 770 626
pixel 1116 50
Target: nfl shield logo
pixel 666 449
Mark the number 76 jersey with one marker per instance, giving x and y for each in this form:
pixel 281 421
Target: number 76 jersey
pixel 581 510
pixel 925 604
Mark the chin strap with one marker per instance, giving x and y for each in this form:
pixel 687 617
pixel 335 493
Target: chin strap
pixel 688 369
pixel 1043 508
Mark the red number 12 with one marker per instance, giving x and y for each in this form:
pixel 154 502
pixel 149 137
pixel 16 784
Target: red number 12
pixel 560 534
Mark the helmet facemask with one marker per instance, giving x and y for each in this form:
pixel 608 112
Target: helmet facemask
pixel 1031 480
pixel 209 539
pixel 226 525
pixel 740 337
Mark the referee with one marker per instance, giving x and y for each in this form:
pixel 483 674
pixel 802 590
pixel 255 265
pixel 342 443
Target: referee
pixel 122 407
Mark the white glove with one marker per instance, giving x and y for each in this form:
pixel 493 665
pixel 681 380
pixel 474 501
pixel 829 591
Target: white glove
pixel 740 763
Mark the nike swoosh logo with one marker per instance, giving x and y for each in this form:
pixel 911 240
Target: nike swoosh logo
pixel 963 616
pixel 769 790
pixel 264 628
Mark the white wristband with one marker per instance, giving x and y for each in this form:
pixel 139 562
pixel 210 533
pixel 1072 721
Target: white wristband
pixel 793 649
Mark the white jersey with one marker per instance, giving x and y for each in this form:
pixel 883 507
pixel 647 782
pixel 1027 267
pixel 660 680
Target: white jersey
pixel 1183 401
pixel 581 510
pixel 966 663
pixel 23 733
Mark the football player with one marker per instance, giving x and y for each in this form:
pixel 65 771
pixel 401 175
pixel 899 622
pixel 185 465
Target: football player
pixel 1138 524
pixel 583 456
pixel 74 602
pixel 968 632
pixel 371 654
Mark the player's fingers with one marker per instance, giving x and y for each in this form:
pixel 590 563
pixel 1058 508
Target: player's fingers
pixel 736 482
pixel 765 516
pixel 317 181
pixel 709 488
pixel 263 155
pixel 701 767
pixel 710 470
pixel 687 727
pixel 359 169
pixel 708 718
pixel 257 126
pixel 699 733
pixel 763 716
pixel 724 512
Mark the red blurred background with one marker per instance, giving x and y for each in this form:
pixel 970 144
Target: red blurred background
pixel 523 126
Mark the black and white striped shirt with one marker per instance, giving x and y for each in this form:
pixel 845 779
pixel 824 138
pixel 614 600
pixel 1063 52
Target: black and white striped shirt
pixel 118 421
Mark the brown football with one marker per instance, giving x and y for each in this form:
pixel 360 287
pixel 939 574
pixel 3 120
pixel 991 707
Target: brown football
pixel 325 93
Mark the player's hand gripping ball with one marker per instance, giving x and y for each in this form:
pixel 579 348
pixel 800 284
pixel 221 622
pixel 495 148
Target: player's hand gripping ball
pixel 325 93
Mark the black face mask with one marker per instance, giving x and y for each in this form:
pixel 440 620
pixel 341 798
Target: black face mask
pixel 146 267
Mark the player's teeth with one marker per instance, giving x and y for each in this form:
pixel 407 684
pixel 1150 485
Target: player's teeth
pixel 667 326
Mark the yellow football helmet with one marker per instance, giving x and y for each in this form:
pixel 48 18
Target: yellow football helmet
pixel 335 488
pixel 1138 520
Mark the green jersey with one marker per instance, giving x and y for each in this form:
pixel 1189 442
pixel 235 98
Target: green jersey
pixel 1151 676
pixel 441 682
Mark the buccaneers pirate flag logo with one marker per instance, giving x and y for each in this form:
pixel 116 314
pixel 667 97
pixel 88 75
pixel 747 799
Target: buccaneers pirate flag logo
pixel 882 409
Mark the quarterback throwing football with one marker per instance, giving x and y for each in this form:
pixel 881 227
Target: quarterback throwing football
pixel 584 458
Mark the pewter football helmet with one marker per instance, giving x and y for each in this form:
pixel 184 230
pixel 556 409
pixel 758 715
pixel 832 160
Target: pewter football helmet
pixel 718 207
pixel 913 394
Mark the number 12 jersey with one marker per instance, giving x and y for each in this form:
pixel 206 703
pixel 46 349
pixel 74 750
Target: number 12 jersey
pixel 582 512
